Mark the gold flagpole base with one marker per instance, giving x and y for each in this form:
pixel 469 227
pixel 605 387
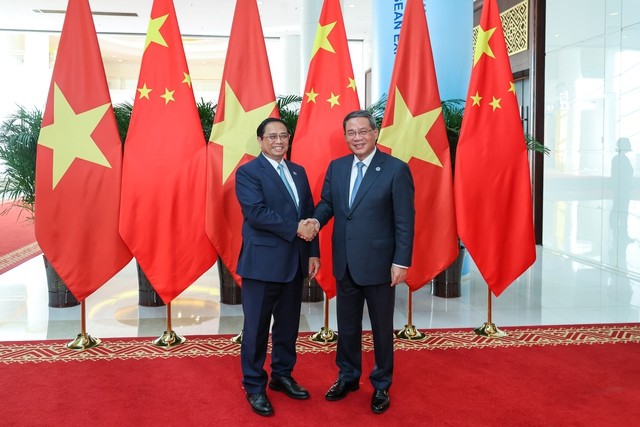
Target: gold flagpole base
pixel 168 339
pixel 325 335
pixel 83 342
pixel 237 339
pixel 489 330
pixel 409 332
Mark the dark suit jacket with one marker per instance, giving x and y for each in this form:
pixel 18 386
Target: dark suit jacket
pixel 271 250
pixel 378 229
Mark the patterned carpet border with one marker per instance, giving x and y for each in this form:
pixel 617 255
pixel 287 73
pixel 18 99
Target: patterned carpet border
pixel 218 346
pixel 18 256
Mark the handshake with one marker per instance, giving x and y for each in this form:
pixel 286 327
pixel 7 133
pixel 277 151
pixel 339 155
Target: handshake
pixel 308 229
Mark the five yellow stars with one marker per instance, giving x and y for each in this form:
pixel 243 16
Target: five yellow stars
pixel 407 135
pixel 69 136
pixel 236 133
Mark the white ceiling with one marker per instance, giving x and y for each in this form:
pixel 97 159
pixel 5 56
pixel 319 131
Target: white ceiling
pixel 195 17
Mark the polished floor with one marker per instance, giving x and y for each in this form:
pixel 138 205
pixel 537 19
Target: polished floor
pixel 556 290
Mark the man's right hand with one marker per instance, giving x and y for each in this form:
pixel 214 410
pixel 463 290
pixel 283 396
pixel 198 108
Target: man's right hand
pixel 308 229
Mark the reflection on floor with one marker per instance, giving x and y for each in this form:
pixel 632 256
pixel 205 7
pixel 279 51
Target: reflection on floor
pixel 555 291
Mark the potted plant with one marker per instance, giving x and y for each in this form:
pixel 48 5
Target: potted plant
pixel 18 142
pixel 18 146
pixel 447 284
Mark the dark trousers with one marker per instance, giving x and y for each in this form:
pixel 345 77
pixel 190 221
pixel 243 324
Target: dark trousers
pixel 350 299
pixel 261 301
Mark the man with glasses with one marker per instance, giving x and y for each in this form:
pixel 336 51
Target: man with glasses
pixel 278 252
pixel 370 196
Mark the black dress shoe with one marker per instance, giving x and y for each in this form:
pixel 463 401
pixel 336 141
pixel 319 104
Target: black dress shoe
pixel 340 389
pixel 260 404
pixel 380 401
pixel 288 386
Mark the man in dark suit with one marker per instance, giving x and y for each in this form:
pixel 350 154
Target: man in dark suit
pixel 274 195
pixel 370 196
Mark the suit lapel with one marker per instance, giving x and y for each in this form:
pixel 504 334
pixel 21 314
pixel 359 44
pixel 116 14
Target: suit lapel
pixel 373 172
pixel 271 173
pixel 296 180
pixel 297 177
pixel 345 179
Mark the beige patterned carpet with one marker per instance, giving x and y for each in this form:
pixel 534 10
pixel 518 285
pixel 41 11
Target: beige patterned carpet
pixel 212 346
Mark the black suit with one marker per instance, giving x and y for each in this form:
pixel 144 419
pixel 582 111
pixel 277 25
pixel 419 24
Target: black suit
pixel 273 262
pixel 368 237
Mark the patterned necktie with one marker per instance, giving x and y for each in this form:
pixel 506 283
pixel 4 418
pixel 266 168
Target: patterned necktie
pixel 286 183
pixel 356 185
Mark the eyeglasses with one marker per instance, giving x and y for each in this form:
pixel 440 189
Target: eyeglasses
pixel 362 132
pixel 273 137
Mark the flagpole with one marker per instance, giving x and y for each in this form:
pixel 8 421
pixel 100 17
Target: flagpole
pixel 169 338
pixel 409 332
pixel 325 334
pixel 83 341
pixel 489 329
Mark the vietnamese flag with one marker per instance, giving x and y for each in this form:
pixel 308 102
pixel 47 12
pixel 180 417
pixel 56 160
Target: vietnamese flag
pixel 329 95
pixel 164 173
pixel 246 99
pixel 79 164
pixel 413 130
pixel 492 185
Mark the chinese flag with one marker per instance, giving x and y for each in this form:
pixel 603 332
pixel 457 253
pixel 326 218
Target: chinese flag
pixel 79 164
pixel 492 186
pixel 329 95
pixel 164 175
pixel 246 99
pixel 413 130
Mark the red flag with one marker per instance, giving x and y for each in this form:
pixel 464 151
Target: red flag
pixel 164 176
pixel 329 95
pixel 413 130
pixel 79 164
pixel 492 185
pixel 246 99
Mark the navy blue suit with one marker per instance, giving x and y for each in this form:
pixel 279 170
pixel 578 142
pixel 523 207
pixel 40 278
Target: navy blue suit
pixel 273 263
pixel 368 237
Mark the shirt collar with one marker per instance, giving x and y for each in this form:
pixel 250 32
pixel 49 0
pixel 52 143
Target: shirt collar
pixel 367 160
pixel 274 163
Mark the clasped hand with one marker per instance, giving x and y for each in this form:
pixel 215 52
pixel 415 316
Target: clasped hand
pixel 308 229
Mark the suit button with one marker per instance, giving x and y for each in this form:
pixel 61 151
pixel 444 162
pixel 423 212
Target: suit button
pixel 349 217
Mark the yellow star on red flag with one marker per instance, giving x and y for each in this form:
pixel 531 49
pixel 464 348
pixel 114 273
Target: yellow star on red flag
pixel 408 128
pixel 69 126
pixel 153 32
pixel 482 44
pixel 322 39
pixel 236 133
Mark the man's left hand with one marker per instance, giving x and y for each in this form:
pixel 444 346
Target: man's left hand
pixel 398 275
pixel 314 266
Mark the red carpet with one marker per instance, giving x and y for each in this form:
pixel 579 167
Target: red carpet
pixel 580 375
pixel 18 239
